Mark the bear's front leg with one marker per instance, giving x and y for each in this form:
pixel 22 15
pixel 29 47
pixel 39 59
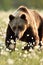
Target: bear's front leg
pixel 35 33
pixel 10 36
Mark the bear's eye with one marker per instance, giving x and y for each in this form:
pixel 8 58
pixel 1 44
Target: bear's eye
pixel 14 27
pixel 20 28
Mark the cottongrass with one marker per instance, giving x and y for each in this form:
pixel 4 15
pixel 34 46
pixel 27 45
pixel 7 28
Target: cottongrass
pixel 3 52
pixel 0 33
pixel 10 61
pixel 37 47
pixel 25 51
pixel 20 53
pixel 29 56
pixel 7 50
pixel 22 47
pixel 16 49
pixel 1 47
pixel 31 50
pixel 12 41
pixel 34 55
pixel 27 35
pixel 24 55
pixel 41 61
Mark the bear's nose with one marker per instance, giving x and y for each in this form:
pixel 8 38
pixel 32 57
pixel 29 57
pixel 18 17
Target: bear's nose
pixel 16 35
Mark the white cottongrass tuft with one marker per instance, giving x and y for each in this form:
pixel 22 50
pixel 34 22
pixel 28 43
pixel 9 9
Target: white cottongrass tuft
pixel 34 55
pixel 37 47
pixel 3 52
pixel 12 41
pixel 7 41
pixel 24 55
pixel 30 50
pixel 11 37
pixel 1 47
pixel 27 35
pixel 26 52
pixel 7 50
pixel 10 61
pixel 16 49
pixel 29 55
pixel 28 45
pixel 41 61
pixel 31 37
pixel 0 33
pixel 41 43
pixel 22 47
pixel 20 54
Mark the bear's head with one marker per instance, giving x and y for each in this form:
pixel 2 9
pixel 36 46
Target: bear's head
pixel 18 25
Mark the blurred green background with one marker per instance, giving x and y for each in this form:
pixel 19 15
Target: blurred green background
pixel 12 4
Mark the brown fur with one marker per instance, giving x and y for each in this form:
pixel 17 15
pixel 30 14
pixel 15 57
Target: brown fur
pixel 35 21
pixel 27 20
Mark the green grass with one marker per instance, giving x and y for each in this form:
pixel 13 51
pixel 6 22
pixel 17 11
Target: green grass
pixel 17 57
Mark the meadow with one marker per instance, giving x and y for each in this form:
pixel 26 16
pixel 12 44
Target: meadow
pixel 17 57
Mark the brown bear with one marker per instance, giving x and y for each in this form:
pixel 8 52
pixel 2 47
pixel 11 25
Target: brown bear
pixel 24 21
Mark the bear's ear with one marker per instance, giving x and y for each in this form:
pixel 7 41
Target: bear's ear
pixel 23 16
pixel 11 17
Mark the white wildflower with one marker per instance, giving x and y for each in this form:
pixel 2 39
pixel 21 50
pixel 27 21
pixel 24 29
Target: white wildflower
pixel 41 43
pixel 37 47
pixel 29 55
pixel 22 47
pixel 23 43
pixel 0 33
pixel 3 52
pixel 10 61
pixel 41 61
pixel 16 49
pixel 27 35
pixel 7 50
pixel 1 47
pixel 26 52
pixel 34 55
pixel 12 41
pixel 24 55
pixel 28 45
pixel 7 41
pixel 11 37
pixel 32 38
pixel 33 43
pixel 20 54
pixel 19 59
pixel 30 50
pixel 5 30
